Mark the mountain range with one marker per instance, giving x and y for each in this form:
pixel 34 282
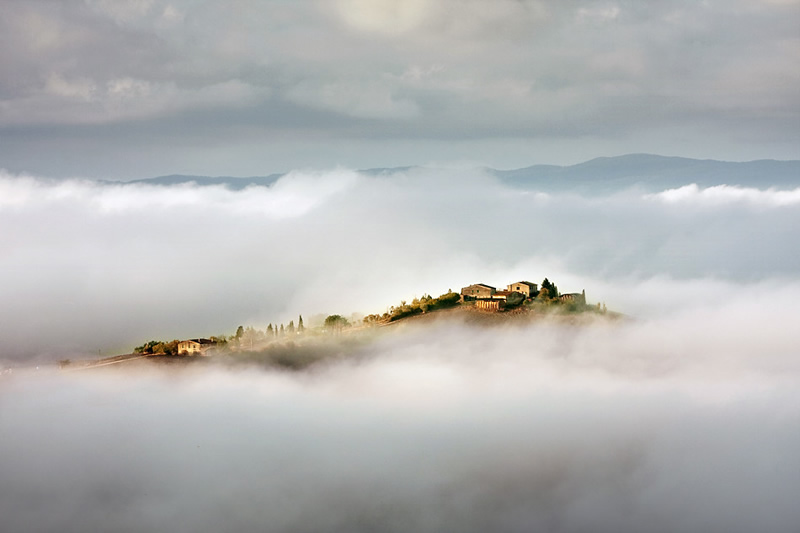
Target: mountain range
pixel 601 175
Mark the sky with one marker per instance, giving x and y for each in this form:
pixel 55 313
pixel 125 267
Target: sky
pixel 128 89
pixel 681 416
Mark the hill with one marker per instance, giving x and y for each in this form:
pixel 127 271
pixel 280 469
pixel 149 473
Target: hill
pixel 652 173
pixel 603 175
pixel 228 181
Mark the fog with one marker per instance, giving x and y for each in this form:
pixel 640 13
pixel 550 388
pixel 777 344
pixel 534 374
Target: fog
pixel 92 268
pixel 682 416
pixel 690 423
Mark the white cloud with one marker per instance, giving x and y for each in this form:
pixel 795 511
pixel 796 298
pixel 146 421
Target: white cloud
pixel 724 195
pixel 338 242
pixel 389 16
pixel 600 428
pixel 293 195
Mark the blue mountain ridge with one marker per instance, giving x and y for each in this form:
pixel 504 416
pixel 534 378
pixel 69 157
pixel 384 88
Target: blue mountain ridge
pixel 601 175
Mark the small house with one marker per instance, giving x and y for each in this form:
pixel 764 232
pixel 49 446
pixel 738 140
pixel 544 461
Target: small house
pixel 523 287
pixel 195 346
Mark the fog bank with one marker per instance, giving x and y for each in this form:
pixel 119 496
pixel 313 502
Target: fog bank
pixel 89 267
pixel 625 427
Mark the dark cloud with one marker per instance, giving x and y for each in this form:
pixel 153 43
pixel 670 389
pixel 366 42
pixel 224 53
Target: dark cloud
pixel 654 76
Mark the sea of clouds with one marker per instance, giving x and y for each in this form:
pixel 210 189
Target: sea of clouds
pixel 683 417
pixel 667 426
pixel 90 267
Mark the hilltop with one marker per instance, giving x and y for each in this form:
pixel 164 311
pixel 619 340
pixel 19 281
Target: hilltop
pixel 295 347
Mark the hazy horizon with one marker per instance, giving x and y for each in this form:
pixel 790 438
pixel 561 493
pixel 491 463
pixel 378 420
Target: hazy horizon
pixel 684 417
pixel 132 88
pixel 142 261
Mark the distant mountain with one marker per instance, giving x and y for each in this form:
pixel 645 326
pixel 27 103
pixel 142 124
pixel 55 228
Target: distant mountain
pixel 602 175
pixel 230 182
pixel 652 173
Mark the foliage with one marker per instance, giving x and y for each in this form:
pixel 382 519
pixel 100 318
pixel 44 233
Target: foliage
pixel 514 299
pixel 544 294
pixel 418 305
pixel 551 288
pixel 336 322
pixel 158 347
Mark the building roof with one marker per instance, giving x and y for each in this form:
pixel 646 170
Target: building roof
pixel 200 341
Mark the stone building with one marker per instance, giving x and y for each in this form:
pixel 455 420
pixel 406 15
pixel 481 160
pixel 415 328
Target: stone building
pixel 524 287
pixel 577 297
pixel 195 346
pixel 478 290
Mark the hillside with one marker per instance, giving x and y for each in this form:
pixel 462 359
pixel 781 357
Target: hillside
pixel 603 175
pixel 652 173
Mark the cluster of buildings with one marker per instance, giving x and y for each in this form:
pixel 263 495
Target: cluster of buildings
pixel 493 299
pixel 485 297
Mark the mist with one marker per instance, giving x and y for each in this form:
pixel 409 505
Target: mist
pixel 682 415
pixel 93 268
pixel 624 426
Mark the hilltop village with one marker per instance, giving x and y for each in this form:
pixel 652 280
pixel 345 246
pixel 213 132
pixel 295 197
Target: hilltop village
pixel 518 297
pixel 491 299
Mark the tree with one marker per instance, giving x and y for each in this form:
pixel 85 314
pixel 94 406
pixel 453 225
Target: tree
pixel 290 328
pixel 249 336
pixel 270 333
pixel 544 294
pixel 335 323
pixel 239 332
pixel 281 330
pixel 219 340
pixel 552 290
pixel 300 327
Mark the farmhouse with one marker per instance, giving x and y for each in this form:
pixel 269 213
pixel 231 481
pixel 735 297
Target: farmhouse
pixel 489 298
pixel 478 290
pixel 523 287
pixel 195 346
pixel 577 297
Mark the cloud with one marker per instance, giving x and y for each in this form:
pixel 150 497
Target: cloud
pixel 601 428
pixel 144 261
pixel 724 194
pixel 373 102
pixel 672 77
